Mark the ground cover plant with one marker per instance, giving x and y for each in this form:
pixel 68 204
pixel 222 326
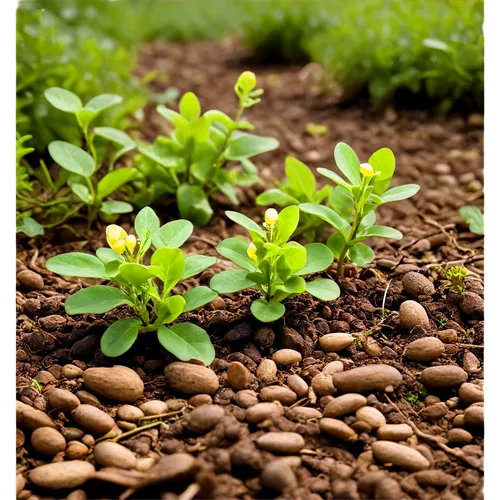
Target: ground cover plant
pixel 134 284
pixel 192 164
pixel 274 264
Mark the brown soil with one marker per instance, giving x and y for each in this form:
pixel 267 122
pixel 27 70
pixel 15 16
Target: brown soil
pixel 442 154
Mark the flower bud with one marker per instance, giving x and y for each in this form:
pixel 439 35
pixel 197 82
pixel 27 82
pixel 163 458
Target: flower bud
pixel 247 81
pixel 130 242
pixel 115 233
pixel 119 246
pixel 271 216
pixel 252 251
pixel 366 169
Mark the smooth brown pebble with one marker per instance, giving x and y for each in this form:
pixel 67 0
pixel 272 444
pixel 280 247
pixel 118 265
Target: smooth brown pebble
pixel 373 417
pixel 30 280
pixel 189 378
pixel 399 455
pixel 153 407
pixel 204 418
pixel 443 377
pixel 417 284
pixel 277 393
pixel 448 336
pixel 200 399
pixel 266 371
pixel 71 371
pixel 297 384
pixel 412 314
pixel 30 419
pixel 76 451
pixel 281 442
pixel 333 367
pixel 334 342
pixel 92 419
pixel 347 403
pixel 424 349
pixel 109 454
pixel 238 376
pixel 129 413
pixel 304 412
pixel 379 377
pixel 118 383
pixel 459 437
pixel 287 357
pixel 278 477
pixel 262 411
pixel 48 441
pixel 337 429
pixel 62 475
pixel 394 432
pixel 62 399
pixel 474 416
pixel 246 398
pixel 470 393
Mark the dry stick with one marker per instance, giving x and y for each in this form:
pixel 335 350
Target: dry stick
pixel 471 346
pixel 190 492
pixel 162 415
pixel 434 439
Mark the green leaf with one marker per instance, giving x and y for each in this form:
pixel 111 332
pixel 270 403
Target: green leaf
pixel 146 224
pixel 195 264
pixel 334 177
pixel 400 192
pixel 96 299
pixel 80 188
pixel 244 145
pixel 135 274
pixel 276 197
pixel 382 161
pixel 267 311
pixel 300 177
pixel 193 204
pixel 112 269
pixel 433 43
pixel 30 227
pixel 63 100
pixel 171 263
pixel 473 217
pixel 294 284
pixel 114 180
pixel 169 309
pixel 106 255
pixel 187 342
pixel 328 215
pixel 323 289
pixel 231 281
pixel 172 234
pixel 361 254
pixel 288 220
pixel 342 202
pixel 336 243
pixel 348 162
pixel 295 256
pixel 190 106
pixel 319 258
pixel 114 135
pixel 198 297
pixel 78 264
pixel 115 207
pixel 379 231
pixel 235 249
pixel 102 102
pixel 120 337
pixel 245 222
pixel 72 158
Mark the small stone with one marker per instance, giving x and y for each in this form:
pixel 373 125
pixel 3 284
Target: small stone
pixel 189 378
pixel 373 417
pixel 200 399
pixel 129 413
pixel 370 378
pixel 459 437
pixel 347 403
pixel 424 349
pixel 278 477
pixel 45 377
pixel 92 419
pixel 30 280
pixel 334 342
pixel 399 455
pixel 298 385
pixel 62 475
pixel 204 418
pixel 154 407
pixel 287 357
pixel 470 394
pixel 322 385
pixel 71 371
pixel 52 323
pixel 303 412
pixel 448 336
pixel 246 398
pixel 333 367
pixel 266 371
pixel 48 441
pixel 88 440
pixel 262 411
pixel 281 442
pixel 20 483
pixel 472 304
pixel 72 433
pixel 76 451
pixel 109 454
pixel 470 362
pixel 238 376
pixel 30 419
pixel 337 429
pixel 277 393
pixel 264 337
pixel 62 399
pixel 417 284
pixel 443 377
pixel 435 412
pixel 474 416
pixel 87 398
pixel 412 314
pixel 372 348
pixel 395 432
pixel 118 383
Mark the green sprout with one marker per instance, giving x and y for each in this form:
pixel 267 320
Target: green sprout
pixel 455 278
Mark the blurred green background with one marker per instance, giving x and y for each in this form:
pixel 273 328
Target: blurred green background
pixel 430 49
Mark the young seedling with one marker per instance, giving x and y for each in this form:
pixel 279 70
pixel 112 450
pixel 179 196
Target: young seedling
pixel 274 264
pixel 80 166
pixel 136 286
pixel 191 164
pixel 300 187
pixel 354 201
pixel 474 217
pixel 455 278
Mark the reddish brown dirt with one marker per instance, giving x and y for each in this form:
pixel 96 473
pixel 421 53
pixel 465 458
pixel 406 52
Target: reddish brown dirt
pixel 442 154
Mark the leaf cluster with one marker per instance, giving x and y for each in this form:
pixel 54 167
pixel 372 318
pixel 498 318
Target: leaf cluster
pixel 474 218
pixel 455 278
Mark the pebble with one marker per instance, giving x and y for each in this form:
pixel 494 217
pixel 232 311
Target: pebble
pixel 448 336
pixel 322 385
pixel 61 475
pixel 117 383
pixel 474 416
pixel 470 362
pixel 372 347
pixel 287 357
pixel 373 417
pixel 52 323
pixel 277 393
pixel 45 377
pixel 129 413
pixel 153 407
pixel 337 428
pixel 48 441
pixel 71 371
pixel 333 367
pixel 334 342
pixel 412 314
pixel 109 454
pixel 62 399
pixel 281 442
pixel 189 378
pixel 368 378
pixel 144 464
pixel 204 418
pixel 399 455
pixel 76 451
pixel 424 349
pixel 298 385
pixel 472 304
pixel 92 419
pixel 262 411
pixel 175 467
pixel 200 399
pixel 303 412
pixel 238 376
pixel 459 437
pixel 88 440
pixel 266 371
pixel 246 398
pixel 278 476
pixel 264 337
pixel 470 393
pixel 388 489
pixel 30 280
pixel 435 412
pixel 347 403
pixel 443 377
pixel 72 433
pixel 394 432
pixel 20 483
pixel 30 419
pixel 417 284
pixel 77 495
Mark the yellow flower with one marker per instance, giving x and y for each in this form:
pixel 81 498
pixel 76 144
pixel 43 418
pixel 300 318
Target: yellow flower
pixel 271 216
pixel 366 169
pixel 116 237
pixel 130 242
pixel 252 251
